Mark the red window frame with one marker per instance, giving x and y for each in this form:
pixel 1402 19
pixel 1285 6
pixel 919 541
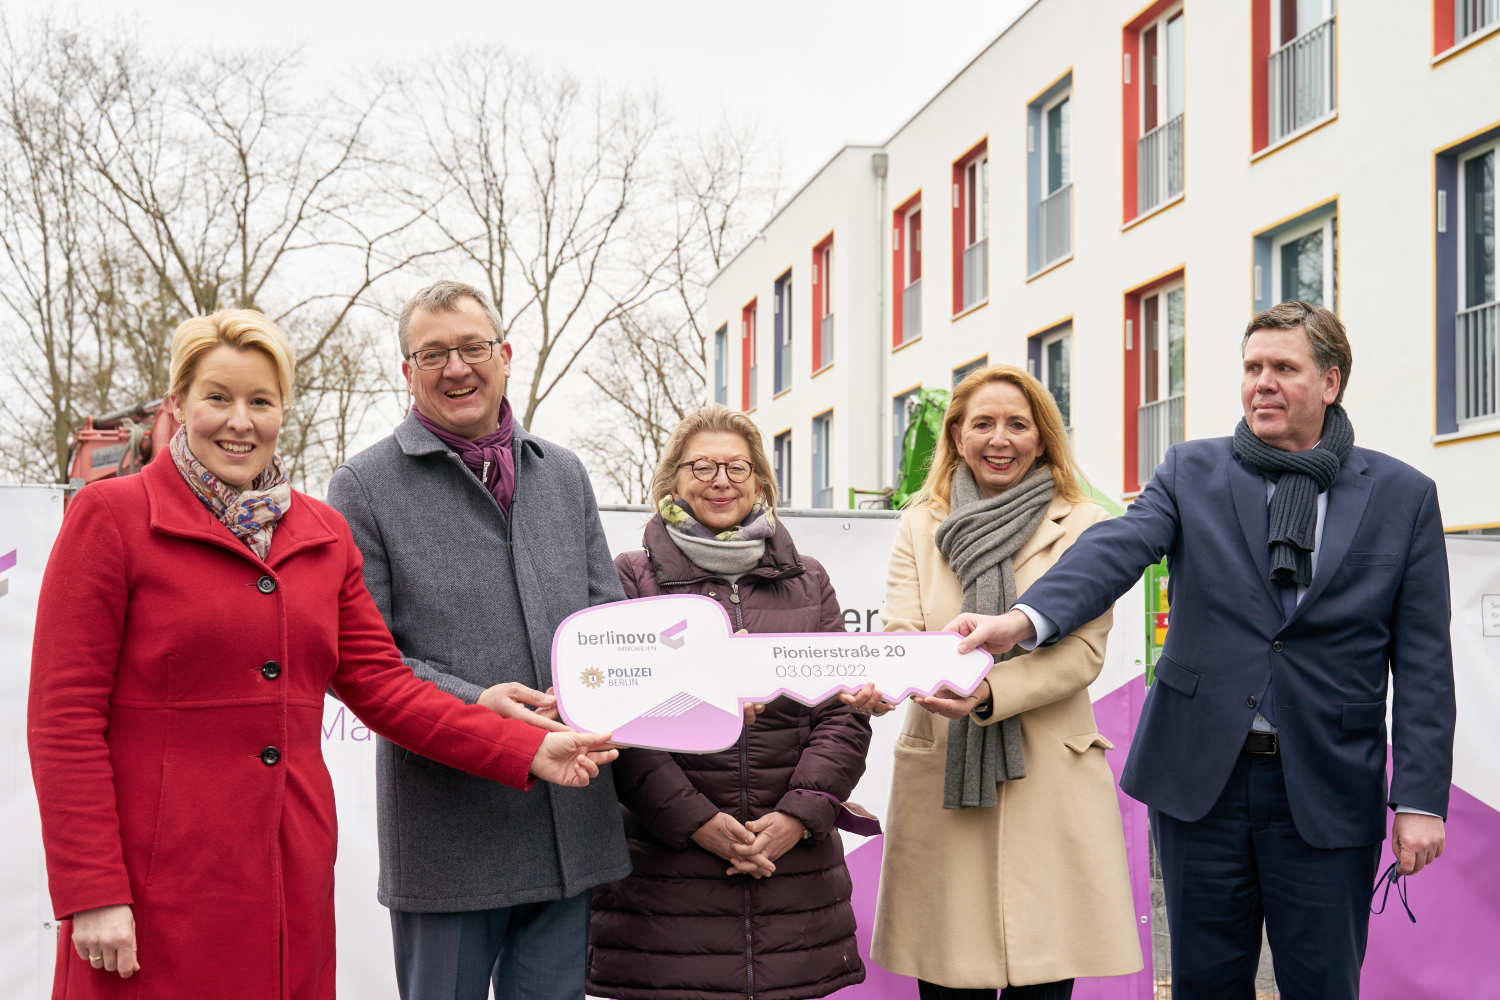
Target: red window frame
pixel 822 288
pixel 747 352
pixel 963 220
pixel 903 253
pixel 1134 357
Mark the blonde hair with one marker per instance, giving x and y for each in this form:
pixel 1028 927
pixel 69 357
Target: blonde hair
pixel 713 419
pixel 937 489
pixel 242 329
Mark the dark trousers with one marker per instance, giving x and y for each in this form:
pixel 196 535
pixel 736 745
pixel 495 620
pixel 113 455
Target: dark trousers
pixel 1244 863
pixel 1039 991
pixel 536 951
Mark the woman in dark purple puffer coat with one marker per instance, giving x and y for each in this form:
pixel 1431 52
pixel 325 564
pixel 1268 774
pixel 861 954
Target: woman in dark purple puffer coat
pixel 739 886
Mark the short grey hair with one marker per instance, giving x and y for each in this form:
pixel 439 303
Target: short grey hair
pixel 443 296
pixel 1326 338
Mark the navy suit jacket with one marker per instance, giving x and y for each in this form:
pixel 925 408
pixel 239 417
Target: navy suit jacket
pixel 1377 610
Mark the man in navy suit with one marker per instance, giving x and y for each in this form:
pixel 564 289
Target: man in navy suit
pixel 1305 573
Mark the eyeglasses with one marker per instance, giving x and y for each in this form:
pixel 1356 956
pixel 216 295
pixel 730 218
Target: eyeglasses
pixel 475 352
pixel 705 471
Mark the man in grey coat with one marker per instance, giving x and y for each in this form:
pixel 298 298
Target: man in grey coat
pixel 478 540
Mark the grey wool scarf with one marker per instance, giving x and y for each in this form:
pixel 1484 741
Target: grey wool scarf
pixel 1299 476
pixel 979 540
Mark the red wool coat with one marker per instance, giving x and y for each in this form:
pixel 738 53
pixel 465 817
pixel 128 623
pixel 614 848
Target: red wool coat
pixel 175 724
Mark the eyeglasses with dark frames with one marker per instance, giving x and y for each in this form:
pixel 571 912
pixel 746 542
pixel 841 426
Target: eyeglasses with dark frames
pixel 705 471
pixel 475 352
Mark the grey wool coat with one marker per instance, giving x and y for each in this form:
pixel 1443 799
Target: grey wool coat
pixel 473 602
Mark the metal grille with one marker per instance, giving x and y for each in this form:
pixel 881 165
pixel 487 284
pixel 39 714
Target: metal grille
pixel 1470 16
pixel 1159 425
pixel 1475 330
pixel 1158 156
pixel 976 273
pixel 825 342
pixel 1301 75
pixel 1057 224
pixel 911 311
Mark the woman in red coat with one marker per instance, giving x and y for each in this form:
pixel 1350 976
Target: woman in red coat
pixel 190 620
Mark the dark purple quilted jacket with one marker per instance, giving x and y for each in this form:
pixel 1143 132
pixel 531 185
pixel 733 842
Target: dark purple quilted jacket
pixel 678 927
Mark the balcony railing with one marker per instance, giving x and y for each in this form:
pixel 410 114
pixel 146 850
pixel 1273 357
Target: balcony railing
pixel 825 342
pixel 911 311
pixel 754 386
pixel 976 273
pixel 1471 16
pixel 1057 224
pixel 1158 158
pixel 1301 75
pixel 1475 330
pixel 1159 425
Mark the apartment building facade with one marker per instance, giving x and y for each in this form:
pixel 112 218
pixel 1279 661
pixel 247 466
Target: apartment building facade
pixel 1105 194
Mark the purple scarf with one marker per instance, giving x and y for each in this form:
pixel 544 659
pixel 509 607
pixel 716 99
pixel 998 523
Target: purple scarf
pixel 490 456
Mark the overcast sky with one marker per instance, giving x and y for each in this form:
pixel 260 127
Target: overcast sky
pixel 810 75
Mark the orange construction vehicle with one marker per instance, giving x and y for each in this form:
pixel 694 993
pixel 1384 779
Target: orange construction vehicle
pixel 119 443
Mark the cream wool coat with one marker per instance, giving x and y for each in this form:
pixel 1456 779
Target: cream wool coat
pixel 1034 890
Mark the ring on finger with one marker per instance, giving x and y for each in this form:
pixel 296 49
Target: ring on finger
pixel 93 959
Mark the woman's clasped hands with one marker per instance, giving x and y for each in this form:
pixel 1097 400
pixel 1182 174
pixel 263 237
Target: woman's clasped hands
pixel 750 848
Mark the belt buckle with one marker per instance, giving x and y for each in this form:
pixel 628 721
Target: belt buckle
pixel 1261 743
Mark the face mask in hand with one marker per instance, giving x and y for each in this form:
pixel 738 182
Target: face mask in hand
pixel 1391 877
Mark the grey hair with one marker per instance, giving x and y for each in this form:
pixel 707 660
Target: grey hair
pixel 443 296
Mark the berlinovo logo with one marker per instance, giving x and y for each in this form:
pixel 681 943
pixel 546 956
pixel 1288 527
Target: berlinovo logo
pixel 674 636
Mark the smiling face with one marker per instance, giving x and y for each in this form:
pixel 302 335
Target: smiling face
pixel 718 504
pixel 998 438
pixel 1283 392
pixel 232 410
pixel 459 397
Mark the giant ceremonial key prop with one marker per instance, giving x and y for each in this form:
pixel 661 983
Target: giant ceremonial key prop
pixel 668 672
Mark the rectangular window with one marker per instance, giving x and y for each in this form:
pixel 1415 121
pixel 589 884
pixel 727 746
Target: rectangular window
pixel 822 303
pixel 1049 176
pixel 1457 21
pixel 1305 264
pixel 1476 321
pixel 1155 375
pixel 822 460
pixel 971 228
pixel 1056 369
pixel 906 270
pixel 1298 259
pixel 964 370
pixel 1295 76
pixel 721 365
pixel 1154 97
pixel 749 369
pixel 1049 359
pixel 783 459
pixel 781 373
pixel 901 407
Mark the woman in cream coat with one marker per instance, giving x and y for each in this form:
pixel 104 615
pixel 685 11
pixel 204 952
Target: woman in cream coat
pixel 1031 891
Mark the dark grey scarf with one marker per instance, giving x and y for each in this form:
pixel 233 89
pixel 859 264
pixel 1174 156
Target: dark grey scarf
pixel 979 540
pixel 1299 476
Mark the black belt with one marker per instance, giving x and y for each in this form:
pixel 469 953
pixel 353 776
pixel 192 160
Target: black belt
pixel 1261 744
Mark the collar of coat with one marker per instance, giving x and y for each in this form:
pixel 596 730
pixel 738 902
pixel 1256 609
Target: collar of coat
pixel 414 439
pixel 669 565
pixel 173 509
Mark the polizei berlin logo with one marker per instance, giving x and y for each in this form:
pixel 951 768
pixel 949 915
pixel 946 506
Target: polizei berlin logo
pixel 674 636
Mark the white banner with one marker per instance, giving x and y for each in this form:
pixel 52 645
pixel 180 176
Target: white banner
pixel 29 519
pixel 854 547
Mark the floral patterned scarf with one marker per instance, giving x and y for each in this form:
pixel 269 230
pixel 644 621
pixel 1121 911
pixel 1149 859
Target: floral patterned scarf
pixel 250 514
pixel 759 523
